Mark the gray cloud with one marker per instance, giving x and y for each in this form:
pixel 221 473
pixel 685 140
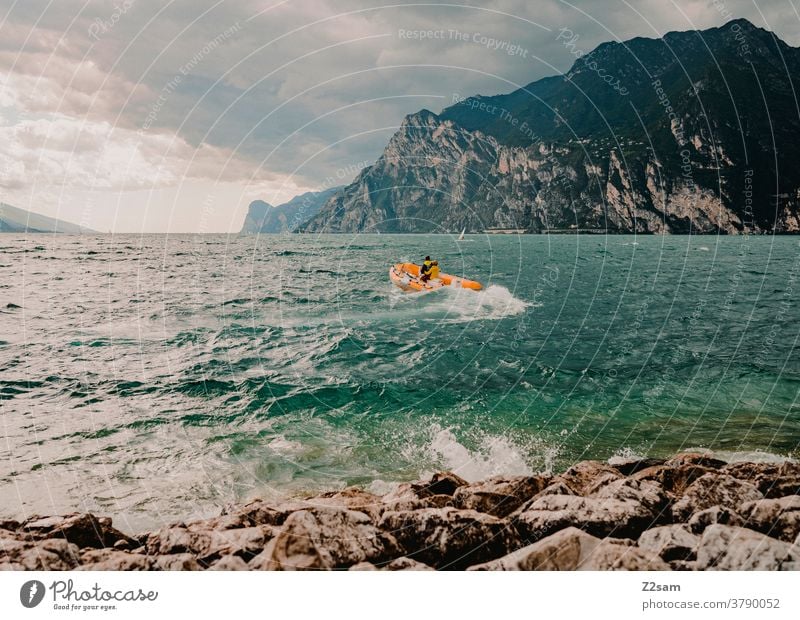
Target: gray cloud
pixel 298 88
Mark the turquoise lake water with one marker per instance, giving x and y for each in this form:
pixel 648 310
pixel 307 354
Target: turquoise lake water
pixel 159 377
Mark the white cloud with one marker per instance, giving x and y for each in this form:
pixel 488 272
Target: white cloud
pixel 72 153
pixel 71 102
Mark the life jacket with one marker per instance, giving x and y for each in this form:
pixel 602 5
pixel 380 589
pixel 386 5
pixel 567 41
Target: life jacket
pixel 426 267
pixel 434 271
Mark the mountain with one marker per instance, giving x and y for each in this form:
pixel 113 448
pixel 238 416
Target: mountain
pixel 17 220
pixel 694 132
pixel 262 217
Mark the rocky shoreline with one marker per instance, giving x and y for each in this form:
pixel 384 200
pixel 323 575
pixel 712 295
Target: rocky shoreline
pixel 691 512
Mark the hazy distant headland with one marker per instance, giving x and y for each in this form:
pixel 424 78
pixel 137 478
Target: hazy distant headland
pixel 14 220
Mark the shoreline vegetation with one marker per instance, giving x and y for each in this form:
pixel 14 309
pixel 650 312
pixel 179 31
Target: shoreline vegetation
pixel 690 512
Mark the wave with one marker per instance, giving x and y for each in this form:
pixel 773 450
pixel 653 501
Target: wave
pixel 481 454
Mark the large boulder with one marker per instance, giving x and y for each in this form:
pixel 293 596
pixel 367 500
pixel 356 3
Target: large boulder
pixel 772 479
pixel 399 564
pixel 50 554
pixel 700 520
pixel 670 542
pixel 499 496
pixel 230 563
pixel 323 539
pixel 110 559
pixel 673 479
pixel 208 545
pixel 260 512
pixel 714 490
pixel 404 563
pixel 779 518
pixel 695 458
pixel 647 492
pixel 588 476
pixel 623 554
pixel 556 487
pixel 448 538
pixel 351 498
pixel 574 549
pixel 723 547
pixel 622 509
pixel 177 562
pixel 630 465
pixel 437 492
pixel 81 529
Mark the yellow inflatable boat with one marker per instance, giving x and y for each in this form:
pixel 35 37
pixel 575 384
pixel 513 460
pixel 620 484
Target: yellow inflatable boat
pixel 406 276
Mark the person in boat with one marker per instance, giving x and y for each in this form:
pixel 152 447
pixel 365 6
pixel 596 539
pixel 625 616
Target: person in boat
pixel 432 273
pixel 426 267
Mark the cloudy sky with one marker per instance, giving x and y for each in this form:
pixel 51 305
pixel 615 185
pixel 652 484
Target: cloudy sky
pixel 171 116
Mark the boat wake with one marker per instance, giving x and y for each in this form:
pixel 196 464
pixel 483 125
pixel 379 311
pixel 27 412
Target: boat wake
pixel 494 302
pixel 456 305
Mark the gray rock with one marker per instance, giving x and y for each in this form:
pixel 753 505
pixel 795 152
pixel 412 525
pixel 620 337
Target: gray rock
pixel 557 487
pixel 588 476
pixel 111 559
pixel 714 490
pixel 683 565
pixel 611 556
pixel 363 566
pixel 404 499
pixel 564 550
pixel 448 537
pixel 209 545
pixel 622 509
pixel 700 520
pixel 81 529
pixel 779 518
pixel 772 479
pixel 437 492
pixel 723 547
pixel 259 512
pixel 670 542
pixel 50 554
pixel 351 498
pixel 779 487
pixel 233 521
pixel 230 562
pixel 325 538
pixel 573 549
pixel 177 561
pixel 499 496
pixel 441 483
pixel 405 563
pixel 629 466
pixel 647 492
pixel 402 563
pixel 695 458
pixel 673 479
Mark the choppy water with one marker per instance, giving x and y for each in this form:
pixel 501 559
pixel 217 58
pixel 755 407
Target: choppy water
pixel 159 377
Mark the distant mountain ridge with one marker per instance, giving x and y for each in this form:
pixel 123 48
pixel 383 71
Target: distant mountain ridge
pixel 15 220
pixel 262 217
pixel 694 132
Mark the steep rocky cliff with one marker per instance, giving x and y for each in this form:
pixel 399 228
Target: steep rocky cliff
pixel 695 132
